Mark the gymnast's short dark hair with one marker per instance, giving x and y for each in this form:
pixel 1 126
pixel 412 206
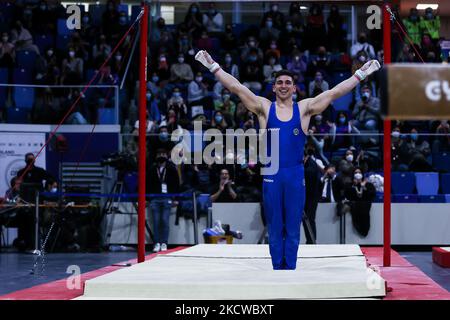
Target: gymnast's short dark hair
pixel 284 72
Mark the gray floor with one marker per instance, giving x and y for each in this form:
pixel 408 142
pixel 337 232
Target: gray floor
pixel 15 267
pixel 424 261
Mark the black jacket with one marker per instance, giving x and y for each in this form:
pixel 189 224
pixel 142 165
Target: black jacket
pixel 170 178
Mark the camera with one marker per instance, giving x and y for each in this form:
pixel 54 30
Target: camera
pixel 122 161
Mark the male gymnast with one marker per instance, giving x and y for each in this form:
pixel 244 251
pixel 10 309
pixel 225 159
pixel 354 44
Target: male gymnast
pixel 284 192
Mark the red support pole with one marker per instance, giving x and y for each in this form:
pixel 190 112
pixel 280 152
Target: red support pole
pixel 387 149
pixel 142 132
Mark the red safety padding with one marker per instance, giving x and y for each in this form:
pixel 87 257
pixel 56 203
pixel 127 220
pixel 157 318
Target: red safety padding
pixel 441 257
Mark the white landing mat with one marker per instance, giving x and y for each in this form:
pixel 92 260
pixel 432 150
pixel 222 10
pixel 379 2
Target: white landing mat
pixel 242 272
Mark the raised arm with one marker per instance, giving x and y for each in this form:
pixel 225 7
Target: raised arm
pixel 322 101
pixel 252 102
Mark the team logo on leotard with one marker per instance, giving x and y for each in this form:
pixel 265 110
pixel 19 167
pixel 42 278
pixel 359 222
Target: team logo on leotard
pixel 296 132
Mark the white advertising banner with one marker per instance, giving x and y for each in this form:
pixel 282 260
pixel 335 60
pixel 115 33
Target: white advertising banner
pixel 13 147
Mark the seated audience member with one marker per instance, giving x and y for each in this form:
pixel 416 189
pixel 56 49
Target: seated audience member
pixel 224 192
pixel 198 93
pixel 367 111
pixel 213 19
pixel 181 72
pixel 418 150
pixel 318 83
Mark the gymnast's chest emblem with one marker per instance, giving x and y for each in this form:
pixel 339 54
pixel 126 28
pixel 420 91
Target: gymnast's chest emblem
pixel 296 131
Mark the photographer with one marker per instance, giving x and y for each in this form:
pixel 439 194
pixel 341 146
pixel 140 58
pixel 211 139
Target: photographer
pixel 367 110
pixel 225 192
pixel 162 179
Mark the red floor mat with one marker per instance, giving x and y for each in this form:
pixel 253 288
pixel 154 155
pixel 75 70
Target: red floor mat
pixel 406 282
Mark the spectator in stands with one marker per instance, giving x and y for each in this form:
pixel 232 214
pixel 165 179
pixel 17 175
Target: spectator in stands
pixel 297 65
pixel 44 19
pixel 7 52
pixel 185 44
pixel 224 192
pixel 22 39
pixel 398 151
pixel 101 49
pixel 412 25
pixel 181 72
pixel 321 62
pixel 442 142
pixel 367 111
pixel 152 107
pixel 162 179
pixel 362 45
pixel 34 175
pixel 72 68
pixel 154 86
pixel 268 33
pixel 163 69
pixel 194 21
pixel 219 122
pixel 252 74
pixel 229 40
pixel 336 33
pixel 227 106
pixel 360 195
pixel 158 30
pixel 290 39
pixel 346 166
pixel 418 150
pixel 161 140
pixel 198 93
pixel 272 65
pixel 317 83
pixel 295 17
pixel 229 66
pixel 150 125
pixel 343 127
pixel 275 15
pixel 78 113
pixel 110 20
pixel 315 28
pixel 213 20
pixel 88 31
pixel 177 103
pixel 251 45
pixel 273 50
pixel 79 45
pixel 205 42
pixel 429 51
pixel 430 24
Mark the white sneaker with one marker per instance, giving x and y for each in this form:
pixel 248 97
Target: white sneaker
pixel 164 247
pixel 157 247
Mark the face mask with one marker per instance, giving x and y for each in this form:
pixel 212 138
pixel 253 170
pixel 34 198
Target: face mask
pixel 155 79
pixel 226 97
pixel 122 20
pixel 269 24
pixel 429 16
pixel 318 118
pixel 72 54
pixel 228 59
pixel 180 60
pixel 358 176
pixel 212 11
pixel 342 120
pixel 118 58
pixel 164 136
pixel 194 10
pixel 349 158
pixel 273 46
pixel 198 79
pixel 318 78
pixel 272 61
pixel 275 8
pixel 414 136
pixel 43 7
pixel 218 119
pixel 229 156
pixel 184 41
pixel 297 58
pixel 54 190
pixel 365 96
pixel 176 94
pixel 162 59
pixel 413 18
pixel 252 43
pixel 396 134
pixel 362 58
pixel 85 19
pixel 289 28
pixel 5 39
pixel 149 96
pixel 252 58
